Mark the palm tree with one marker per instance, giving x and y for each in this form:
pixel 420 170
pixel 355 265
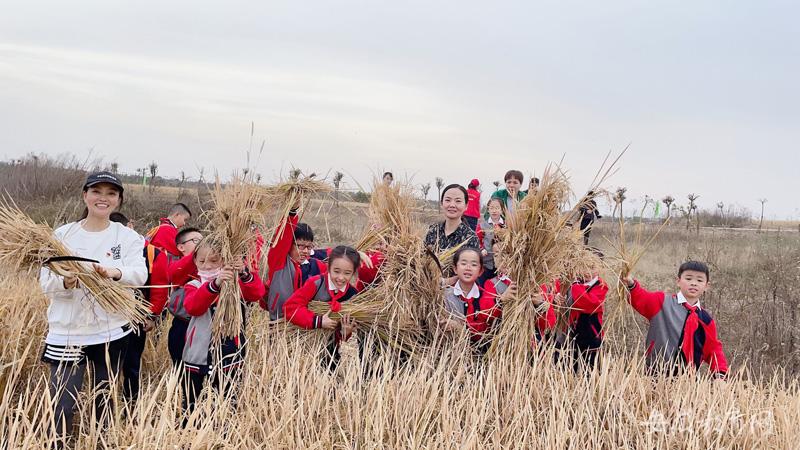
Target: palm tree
pixel 439 186
pixel 153 172
pixel 692 210
pixel 337 182
pixel 668 200
pixel 619 198
pixel 761 221
pixel 425 188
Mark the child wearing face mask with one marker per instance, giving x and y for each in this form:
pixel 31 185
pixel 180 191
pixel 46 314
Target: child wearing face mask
pixel 201 357
pixel 334 288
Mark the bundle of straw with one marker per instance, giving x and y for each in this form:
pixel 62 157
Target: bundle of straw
pixel 27 244
pixel 294 192
pixel 237 207
pixel 537 246
pixel 397 308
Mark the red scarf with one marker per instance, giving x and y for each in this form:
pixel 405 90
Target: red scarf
pixel 692 322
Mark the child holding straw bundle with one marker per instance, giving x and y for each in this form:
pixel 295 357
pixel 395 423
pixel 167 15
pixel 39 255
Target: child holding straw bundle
pixel 201 356
pixel 468 303
pixel 81 332
pixel 681 333
pixel 285 275
pixel 180 272
pixel 333 288
pixel 543 301
pixel 583 335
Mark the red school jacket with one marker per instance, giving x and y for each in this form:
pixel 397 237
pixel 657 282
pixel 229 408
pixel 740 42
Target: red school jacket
pixel 164 237
pixel 473 203
pixel 199 299
pixel 157 275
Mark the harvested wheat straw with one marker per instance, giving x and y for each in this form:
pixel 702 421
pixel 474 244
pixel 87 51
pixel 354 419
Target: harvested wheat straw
pixel 27 244
pixel 237 208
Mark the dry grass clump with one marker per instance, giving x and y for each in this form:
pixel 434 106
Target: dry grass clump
pixel 296 191
pixel 25 244
pixel 237 208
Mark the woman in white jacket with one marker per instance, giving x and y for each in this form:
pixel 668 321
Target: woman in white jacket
pixel 80 331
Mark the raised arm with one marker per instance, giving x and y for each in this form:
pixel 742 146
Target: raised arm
pixel 646 303
pixel 277 254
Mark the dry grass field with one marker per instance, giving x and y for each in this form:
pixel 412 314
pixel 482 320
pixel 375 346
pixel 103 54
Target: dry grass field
pixel 446 397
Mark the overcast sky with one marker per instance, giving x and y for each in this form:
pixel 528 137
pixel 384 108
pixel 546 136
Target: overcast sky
pixel 706 92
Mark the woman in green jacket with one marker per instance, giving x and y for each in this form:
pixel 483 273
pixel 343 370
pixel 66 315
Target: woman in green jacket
pixel 512 193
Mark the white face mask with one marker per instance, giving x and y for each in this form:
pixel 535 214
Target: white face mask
pixel 208 275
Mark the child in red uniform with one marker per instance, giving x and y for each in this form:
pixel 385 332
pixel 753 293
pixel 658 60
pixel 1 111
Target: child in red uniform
pixel 156 262
pixel 200 356
pixel 334 288
pixel 473 211
pixel 283 260
pixel 543 301
pixel 181 271
pixel 682 333
pixel 477 307
pixel 163 236
pixel 582 339
pixel 304 241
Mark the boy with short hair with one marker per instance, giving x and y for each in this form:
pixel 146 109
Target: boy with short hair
pixel 163 236
pixel 681 332
pixel 155 292
pixel 310 266
pixel 512 193
pixel 181 271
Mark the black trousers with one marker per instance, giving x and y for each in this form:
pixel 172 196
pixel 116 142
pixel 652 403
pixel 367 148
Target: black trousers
pixel 176 339
pixel 221 380
pixel 66 380
pixel 132 364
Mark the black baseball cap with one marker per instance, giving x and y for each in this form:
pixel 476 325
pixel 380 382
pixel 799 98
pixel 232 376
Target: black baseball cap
pixel 103 177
